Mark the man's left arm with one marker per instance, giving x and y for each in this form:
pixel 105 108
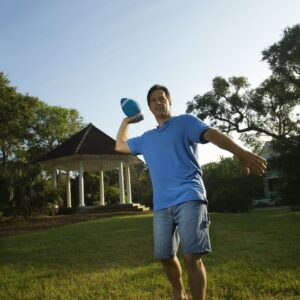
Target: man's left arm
pixel 250 161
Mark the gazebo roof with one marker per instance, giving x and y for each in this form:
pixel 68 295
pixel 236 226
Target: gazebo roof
pixel 93 147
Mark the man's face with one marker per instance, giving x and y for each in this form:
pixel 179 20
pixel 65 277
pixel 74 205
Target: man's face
pixel 159 104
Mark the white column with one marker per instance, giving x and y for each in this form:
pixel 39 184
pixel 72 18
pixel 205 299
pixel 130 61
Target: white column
pixel 121 184
pixel 81 185
pixel 128 184
pixel 69 202
pixel 102 201
pixel 54 178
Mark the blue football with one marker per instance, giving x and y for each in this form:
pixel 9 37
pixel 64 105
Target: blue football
pixel 130 108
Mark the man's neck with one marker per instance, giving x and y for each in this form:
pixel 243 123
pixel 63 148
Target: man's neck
pixel 162 120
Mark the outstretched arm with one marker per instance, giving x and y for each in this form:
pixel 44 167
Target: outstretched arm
pixel 251 162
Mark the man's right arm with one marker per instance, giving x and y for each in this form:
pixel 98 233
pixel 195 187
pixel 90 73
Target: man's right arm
pixel 122 137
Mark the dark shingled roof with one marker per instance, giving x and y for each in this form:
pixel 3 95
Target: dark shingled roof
pixel 89 141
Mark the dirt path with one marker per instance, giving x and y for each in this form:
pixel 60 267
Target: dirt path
pixel 12 226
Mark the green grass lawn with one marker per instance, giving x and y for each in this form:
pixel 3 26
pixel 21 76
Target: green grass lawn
pixel 255 256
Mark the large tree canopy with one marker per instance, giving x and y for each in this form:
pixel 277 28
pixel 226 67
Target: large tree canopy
pixel 284 57
pixel 50 127
pixel 16 114
pixel 271 110
pixel 29 129
pixel 30 126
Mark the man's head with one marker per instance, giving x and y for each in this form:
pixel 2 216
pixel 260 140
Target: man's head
pixel 159 101
pixel 158 87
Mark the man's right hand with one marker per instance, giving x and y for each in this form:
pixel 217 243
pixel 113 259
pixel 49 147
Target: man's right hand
pixel 134 119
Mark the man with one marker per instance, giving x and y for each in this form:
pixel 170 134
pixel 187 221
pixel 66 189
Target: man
pixel 179 197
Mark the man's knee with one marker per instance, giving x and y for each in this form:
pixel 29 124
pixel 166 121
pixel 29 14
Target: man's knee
pixel 193 261
pixel 168 261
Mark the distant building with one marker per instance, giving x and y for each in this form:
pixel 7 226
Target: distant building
pixel 271 177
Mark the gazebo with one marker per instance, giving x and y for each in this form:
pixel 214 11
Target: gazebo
pixel 90 150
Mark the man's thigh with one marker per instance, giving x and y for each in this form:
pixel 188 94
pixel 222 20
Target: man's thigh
pixel 193 227
pixel 166 238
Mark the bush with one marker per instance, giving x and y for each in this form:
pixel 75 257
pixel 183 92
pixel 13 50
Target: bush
pixel 288 163
pixel 112 195
pixel 228 188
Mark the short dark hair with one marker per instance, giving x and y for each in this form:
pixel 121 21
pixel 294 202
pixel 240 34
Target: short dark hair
pixel 158 87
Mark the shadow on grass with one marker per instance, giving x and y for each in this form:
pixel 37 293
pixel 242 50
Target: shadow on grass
pixel 258 240
pixel 251 254
pixel 120 241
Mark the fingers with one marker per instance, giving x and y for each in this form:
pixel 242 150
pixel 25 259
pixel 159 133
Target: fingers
pixel 258 165
pixel 135 118
pixel 253 163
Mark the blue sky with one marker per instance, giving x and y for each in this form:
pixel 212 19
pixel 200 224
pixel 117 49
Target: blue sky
pixel 88 54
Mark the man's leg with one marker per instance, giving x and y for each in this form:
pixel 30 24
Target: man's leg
pixel 193 228
pixel 173 271
pixel 166 242
pixel 196 275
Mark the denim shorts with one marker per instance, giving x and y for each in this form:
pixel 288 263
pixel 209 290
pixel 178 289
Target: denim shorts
pixel 186 224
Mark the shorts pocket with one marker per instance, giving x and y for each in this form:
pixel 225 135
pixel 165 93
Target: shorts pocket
pixel 204 224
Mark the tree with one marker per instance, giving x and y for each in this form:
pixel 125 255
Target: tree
pixel 29 128
pixel 265 111
pixel 269 110
pixel 228 188
pixel 16 116
pixel 283 57
pixel 50 127
pixel 288 163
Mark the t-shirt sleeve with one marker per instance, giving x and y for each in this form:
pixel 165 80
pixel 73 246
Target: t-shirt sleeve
pixel 195 129
pixel 135 145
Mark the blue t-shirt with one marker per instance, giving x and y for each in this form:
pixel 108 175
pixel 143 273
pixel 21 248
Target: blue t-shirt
pixel 170 152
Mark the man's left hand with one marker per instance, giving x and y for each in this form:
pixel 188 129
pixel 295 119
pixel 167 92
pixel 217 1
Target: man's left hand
pixel 252 163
